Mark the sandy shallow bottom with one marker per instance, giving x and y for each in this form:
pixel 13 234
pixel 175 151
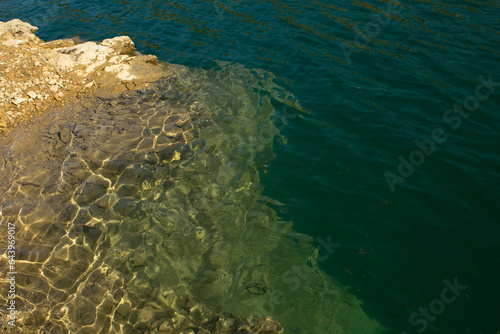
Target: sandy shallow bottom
pixel 143 213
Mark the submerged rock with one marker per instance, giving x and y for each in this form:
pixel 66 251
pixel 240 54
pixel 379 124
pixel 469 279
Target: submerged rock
pixel 114 259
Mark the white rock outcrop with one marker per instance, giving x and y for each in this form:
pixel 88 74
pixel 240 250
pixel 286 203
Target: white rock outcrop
pixel 37 75
pixel 16 32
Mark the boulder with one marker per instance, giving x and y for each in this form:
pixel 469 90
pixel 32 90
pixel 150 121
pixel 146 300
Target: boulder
pixel 15 32
pixel 121 44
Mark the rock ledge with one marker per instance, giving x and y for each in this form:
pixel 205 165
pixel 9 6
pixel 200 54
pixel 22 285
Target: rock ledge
pixel 36 76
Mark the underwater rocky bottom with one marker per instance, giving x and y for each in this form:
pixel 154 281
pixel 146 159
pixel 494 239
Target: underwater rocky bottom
pixel 143 213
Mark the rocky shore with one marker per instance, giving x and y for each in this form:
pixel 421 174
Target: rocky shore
pixel 133 189
pixel 69 281
pixel 36 76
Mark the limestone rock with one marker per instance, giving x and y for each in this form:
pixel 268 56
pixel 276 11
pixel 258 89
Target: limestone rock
pixel 92 189
pixel 58 43
pixel 5 35
pixel 17 27
pixel 85 54
pixel 121 44
pixel 122 72
pixel 18 100
pixel 39 76
pixel 16 32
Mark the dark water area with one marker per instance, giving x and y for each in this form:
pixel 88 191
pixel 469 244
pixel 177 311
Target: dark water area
pixel 392 150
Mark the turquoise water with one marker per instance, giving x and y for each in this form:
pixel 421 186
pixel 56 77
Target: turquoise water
pixel 362 106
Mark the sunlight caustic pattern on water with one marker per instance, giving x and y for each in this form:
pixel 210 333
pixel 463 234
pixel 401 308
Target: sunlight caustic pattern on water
pixel 144 212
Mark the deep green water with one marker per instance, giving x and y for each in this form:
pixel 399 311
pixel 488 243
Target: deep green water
pixel 363 106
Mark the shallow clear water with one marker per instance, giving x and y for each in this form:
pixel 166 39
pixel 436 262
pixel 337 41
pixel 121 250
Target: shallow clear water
pixel 358 108
pixel 125 207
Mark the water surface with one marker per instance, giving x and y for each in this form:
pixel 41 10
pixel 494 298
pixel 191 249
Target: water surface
pixel 357 115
